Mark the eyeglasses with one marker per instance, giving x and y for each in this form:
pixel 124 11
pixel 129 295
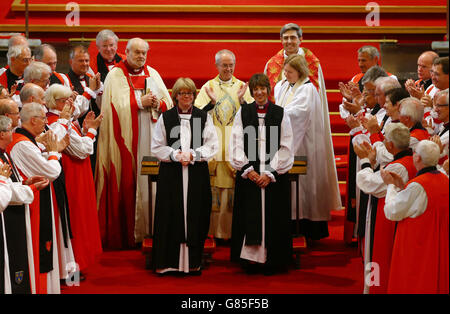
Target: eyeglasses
pixel 26 60
pixel 42 118
pixel 227 66
pixel 186 93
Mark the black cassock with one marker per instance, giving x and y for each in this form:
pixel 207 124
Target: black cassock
pixel 169 224
pixel 247 213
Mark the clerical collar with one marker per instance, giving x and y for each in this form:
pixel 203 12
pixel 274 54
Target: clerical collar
pixel 403 153
pixel 417 126
pixel 262 108
pixel 132 70
pixel 432 169
pixel 299 52
pixel 188 111
pixel 230 81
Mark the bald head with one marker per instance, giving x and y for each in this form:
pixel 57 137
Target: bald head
pixel 424 63
pixel 9 108
pixel 17 40
pixel 31 92
pixel 136 52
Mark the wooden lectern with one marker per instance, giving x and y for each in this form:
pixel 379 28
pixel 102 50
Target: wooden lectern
pixel 150 168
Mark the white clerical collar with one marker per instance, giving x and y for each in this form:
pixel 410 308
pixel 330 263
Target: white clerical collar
pixel 300 52
pixel 226 82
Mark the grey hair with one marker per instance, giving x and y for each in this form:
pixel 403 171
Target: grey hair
pixel 39 51
pixel 413 108
pixel 370 50
pixel 55 92
pixel 35 71
pixel 429 152
pixel 29 111
pixel 5 123
pixel 372 74
pixel 133 40
pixel 29 90
pixel 15 51
pixel 398 134
pixel 387 83
pixel 105 34
pixel 291 26
pixel 219 54
pixel 82 48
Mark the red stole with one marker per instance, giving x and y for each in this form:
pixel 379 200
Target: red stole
pixel 385 232
pixel 421 249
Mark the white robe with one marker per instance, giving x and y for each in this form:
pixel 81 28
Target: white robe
pixel 318 189
pixel 281 163
pixel 167 154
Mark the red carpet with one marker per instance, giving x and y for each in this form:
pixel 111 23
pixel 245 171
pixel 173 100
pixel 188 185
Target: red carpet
pixel 328 267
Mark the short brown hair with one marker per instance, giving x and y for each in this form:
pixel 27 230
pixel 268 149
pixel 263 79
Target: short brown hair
pixel 183 83
pixel 299 63
pixel 259 79
pixel 443 61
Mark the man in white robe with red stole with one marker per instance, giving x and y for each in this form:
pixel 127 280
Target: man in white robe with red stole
pixel 50 254
pixel 134 97
pixel 291 38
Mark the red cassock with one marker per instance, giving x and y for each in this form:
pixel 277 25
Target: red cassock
pixel 86 241
pixel 421 249
pixel 384 234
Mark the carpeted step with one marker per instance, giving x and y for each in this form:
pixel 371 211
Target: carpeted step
pixel 340 143
pixel 337 124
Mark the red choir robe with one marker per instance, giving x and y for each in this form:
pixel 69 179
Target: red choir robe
pixel 420 257
pixel 86 242
pixel 385 232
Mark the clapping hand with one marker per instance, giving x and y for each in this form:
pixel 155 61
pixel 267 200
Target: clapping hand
pixel 241 92
pixel 351 107
pixel 39 182
pixel 390 177
pixel 5 170
pixel 371 125
pixel 91 122
pixel 210 92
pixel 95 82
pixel 68 110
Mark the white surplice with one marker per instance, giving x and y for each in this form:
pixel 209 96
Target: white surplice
pixel 319 188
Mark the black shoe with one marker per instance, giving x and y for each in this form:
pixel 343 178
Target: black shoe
pixel 251 268
pixel 195 273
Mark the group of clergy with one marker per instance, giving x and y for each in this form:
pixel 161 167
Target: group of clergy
pixel 397 193
pixel 73 142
